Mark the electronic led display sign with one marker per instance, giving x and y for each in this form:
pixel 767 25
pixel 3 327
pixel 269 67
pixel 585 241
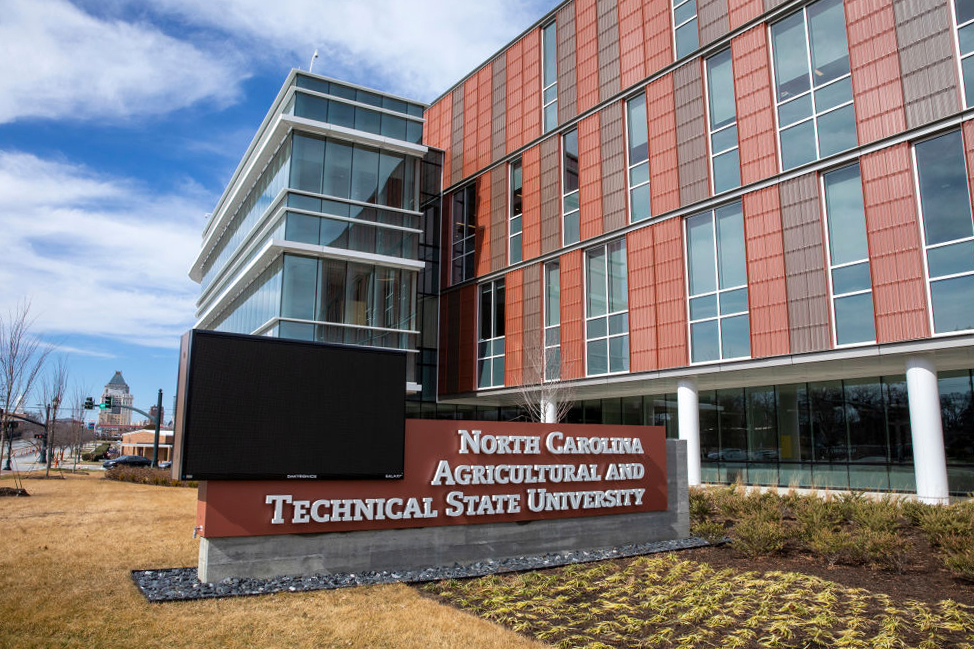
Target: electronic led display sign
pixel 261 408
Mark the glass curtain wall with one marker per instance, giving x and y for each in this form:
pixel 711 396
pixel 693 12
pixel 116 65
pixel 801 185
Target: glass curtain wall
pixel 606 309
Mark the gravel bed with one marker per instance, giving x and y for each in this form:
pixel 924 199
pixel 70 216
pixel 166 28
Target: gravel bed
pixel 177 584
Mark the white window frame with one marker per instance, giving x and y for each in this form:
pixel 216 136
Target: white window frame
pixel 676 4
pixel 492 349
pixel 712 153
pixel 577 211
pixel 551 330
pixel 609 315
pixel 515 222
pixel 633 167
pixel 552 88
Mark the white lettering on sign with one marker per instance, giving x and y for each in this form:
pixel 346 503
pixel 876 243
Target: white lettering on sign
pixel 456 503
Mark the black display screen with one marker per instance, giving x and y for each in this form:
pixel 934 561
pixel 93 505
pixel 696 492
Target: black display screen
pixel 254 407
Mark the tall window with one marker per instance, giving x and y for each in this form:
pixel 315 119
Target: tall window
pixel 606 309
pixel 638 158
pixel 552 321
pixel 464 233
pixel 514 223
pixel 724 157
pixel 717 277
pixel 948 234
pixel 570 223
pixel 852 295
pixel 964 13
pixel 549 72
pixel 490 344
pixel 812 84
pixel 685 27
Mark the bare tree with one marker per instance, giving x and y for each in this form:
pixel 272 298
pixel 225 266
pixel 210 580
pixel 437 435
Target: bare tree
pixel 22 358
pixel 80 434
pixel 54 393
pixel 542 394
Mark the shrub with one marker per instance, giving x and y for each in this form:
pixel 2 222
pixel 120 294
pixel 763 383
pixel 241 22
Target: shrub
pixel 875 515
pixel 756 535
pixel 146 475
pixel 700 507
pixel 813 514
pixel 712 532
pixel 100 453
pixel 961 563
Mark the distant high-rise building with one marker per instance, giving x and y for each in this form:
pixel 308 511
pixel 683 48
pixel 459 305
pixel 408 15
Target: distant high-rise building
pixel 118 390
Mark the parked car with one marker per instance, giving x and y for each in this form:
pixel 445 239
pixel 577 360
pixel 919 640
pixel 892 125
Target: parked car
pixel 127 460
pixel 165 464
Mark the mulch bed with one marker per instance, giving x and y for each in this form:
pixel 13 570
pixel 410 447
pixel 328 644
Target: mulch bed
pixel 12 492
pixel 923 576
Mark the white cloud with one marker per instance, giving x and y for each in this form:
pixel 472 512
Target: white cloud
pixel 58 62
pixel 417 48
pixel 97 255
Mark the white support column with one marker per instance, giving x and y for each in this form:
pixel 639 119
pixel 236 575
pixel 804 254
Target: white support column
pixel 929 458
pixel 688 411
pixel 549 411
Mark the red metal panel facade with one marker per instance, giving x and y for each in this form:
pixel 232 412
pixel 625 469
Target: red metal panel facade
pixel 515 97
pixel 513 327
pixel 590 176
pixel 531 93
pixel 531 203
pixel 471 110
pixel 658 32
pixel 437 130
pixel 895 253
pixel 642 300
pixel 587 53
pixel 485 106
pixel 467 354
pixel 482 215
pixel 671 300
pixel 755 105
pixel 766 283
pixel 739 13
pixel 664 181
pixel 572 316
pixel 632 61
pixel 876 83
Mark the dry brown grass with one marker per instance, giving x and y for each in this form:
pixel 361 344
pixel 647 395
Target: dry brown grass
pixel 65 581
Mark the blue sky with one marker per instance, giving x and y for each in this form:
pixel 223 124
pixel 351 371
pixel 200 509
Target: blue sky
pixel 122 120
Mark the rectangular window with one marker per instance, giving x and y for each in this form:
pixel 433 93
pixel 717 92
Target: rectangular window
pixel 717 285
pixel 549 72
pixel 490 343
pixel 812 84
pixel 964 14
pixel 637 151
pixel 685 27
pixel 852 295
pixel 552 321
pixel 724 159
pixel 464 233
pixel 570 230
pixel 606 309
pixel 514 218
pixel 948 233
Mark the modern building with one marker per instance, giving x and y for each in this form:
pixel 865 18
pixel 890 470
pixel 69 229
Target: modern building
pixel 748 221
pixel 118 390
pixel 317 236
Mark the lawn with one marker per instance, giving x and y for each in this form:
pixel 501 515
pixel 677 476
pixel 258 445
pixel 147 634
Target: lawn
pixel 65 582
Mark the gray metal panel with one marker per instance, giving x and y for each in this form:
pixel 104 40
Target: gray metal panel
pixel 532 325
pixel 712 20
pixel 550 195
pixel 805 280
pixel 425 547
pixel 498 113
pixel 771 4
pixel 691 133
pixel 498 218
pixel 923 33
pixel 567 90
pixel 613 168
pixel 456 137
pixel 608 26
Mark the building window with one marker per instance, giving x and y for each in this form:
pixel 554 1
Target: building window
pixel 948 233
pixel 812 84
pixel 964 13
pixel 464 233
pixel 552 321
pixel 638 158
pixel 724 158
pixel 685 27
pixel 570 223
pixel 852 295
pixel 717 278
pixel 490 344
pixel 606 309
pixel 549 72
pixel 514 218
